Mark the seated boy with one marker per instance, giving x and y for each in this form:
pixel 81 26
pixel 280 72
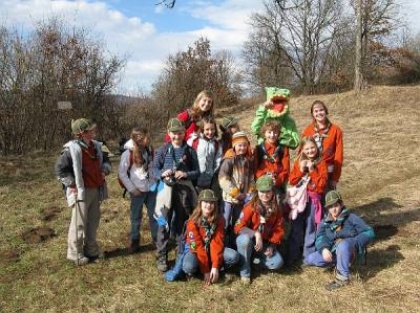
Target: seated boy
pixel 341 239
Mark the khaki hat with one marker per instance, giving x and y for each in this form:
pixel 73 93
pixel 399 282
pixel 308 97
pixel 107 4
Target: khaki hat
pixel 229 121
pixel 331 198
pixel 81 125
pixel 207 195
pixel 264 183
pixel 175 125
pixel 239 137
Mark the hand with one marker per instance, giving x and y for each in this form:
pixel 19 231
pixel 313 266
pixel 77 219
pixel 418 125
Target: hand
pixel 269 251
pixel 310 165
pixel 240 196
pixel 167 173
pixel 327 255
pixel 207 279
pixel 258 241
pixel 214 275
pixel 180 174
pixel 73 190
pixel 268 104
pixel 302 165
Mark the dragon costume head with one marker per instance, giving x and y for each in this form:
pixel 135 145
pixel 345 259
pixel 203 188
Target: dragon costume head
pixel 280 98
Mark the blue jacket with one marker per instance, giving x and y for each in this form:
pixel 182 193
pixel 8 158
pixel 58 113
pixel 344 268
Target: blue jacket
pixel 351 226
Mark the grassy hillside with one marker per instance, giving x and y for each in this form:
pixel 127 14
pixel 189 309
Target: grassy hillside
pixel 380 182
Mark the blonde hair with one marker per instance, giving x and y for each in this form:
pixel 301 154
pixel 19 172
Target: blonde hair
pixel 138 135
pixel 197 114
pixel 302 156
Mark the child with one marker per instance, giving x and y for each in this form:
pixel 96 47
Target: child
pixel 329 139
pixel 342 237
pixel 175 164
pixel 260 228
pixel 81 169
pixel 203 106
pixel 228 127
pixel 271 158
pixel 276 108
pixel 209 152
pixel 236 178
pixel 311 170
pixel 204 240
pixel 135 172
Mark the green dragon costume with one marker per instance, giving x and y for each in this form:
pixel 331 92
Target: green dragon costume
pixel 279 112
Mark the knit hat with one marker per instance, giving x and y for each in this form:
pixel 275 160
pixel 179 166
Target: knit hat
pixel 331 198
pixel 229 121
pixel 175 125
pixel 81 125
pixel 264 183
pixel 207 195
pixel 239 137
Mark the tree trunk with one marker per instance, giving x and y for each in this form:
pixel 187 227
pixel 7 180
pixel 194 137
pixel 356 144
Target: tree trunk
pixel 358 79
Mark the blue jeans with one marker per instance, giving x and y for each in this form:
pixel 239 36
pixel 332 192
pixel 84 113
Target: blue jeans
pixel 231 213
pixel 136 215
pixel 342 257
pixel 190 264
pixel 245 246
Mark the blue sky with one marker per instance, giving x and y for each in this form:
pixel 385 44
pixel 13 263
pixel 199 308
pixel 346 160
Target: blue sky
pixel 147 33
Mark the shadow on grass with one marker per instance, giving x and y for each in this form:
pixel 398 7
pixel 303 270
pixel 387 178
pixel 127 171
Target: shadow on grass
pixel 120 252
pixel 378 260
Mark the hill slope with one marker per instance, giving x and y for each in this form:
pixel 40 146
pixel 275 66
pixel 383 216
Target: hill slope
pixel 380 181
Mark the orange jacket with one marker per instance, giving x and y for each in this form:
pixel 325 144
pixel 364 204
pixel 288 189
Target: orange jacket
pixel 195 239
pixel 319 176
pixel 332 147
pixel 280 168
pixel 250 218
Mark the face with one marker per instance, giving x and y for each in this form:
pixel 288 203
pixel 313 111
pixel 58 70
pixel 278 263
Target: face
pixel 177 137
pixel 310 150
pixel 205 104
pixel 241 148
pixel 265 197
pixel 234 128
pixel 335 210
pixel 271 135
pixel 146 141
pixel 88 135
pixel 209 130
pixel 318 112
pixel 207 208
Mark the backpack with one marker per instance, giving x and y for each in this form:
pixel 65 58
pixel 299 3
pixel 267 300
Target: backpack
pixel 149 152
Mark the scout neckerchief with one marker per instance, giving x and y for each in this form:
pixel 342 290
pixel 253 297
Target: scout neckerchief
pixel 266 156
pixel 209 230
pixel 85 149
pixel 338 223
pixel 265 214
pixel 176 163
pixel 320 137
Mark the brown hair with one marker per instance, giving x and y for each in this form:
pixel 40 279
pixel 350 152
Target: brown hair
pixel 256 203
pixel 320 103
pixel 197 214
pixel 208 120
pixel 270 125
pixel 304 141
pixel 138 135
pixel 196 112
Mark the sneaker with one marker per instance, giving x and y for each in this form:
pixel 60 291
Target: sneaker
pixel 81 261
pixel 336 284
pixel 162 265
pixel 245 280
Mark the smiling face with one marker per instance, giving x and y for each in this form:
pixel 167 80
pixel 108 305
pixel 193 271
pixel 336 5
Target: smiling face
pixel 205 104
pixel 177 138
pixel 319 113
pixel 265 196
pixel 209 130
pixel 271 136
pixel 241 148
pixel 207 208
pixel 310 150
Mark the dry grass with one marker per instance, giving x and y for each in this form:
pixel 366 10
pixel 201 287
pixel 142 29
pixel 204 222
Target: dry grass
pixel 380 181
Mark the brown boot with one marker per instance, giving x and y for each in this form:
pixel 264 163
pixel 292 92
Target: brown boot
pixel 135 246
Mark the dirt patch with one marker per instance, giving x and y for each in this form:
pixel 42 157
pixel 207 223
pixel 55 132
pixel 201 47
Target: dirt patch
pixel 10 256
pixel 50 213
pixel 38 234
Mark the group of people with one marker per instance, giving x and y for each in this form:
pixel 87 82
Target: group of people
pixel 227 204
